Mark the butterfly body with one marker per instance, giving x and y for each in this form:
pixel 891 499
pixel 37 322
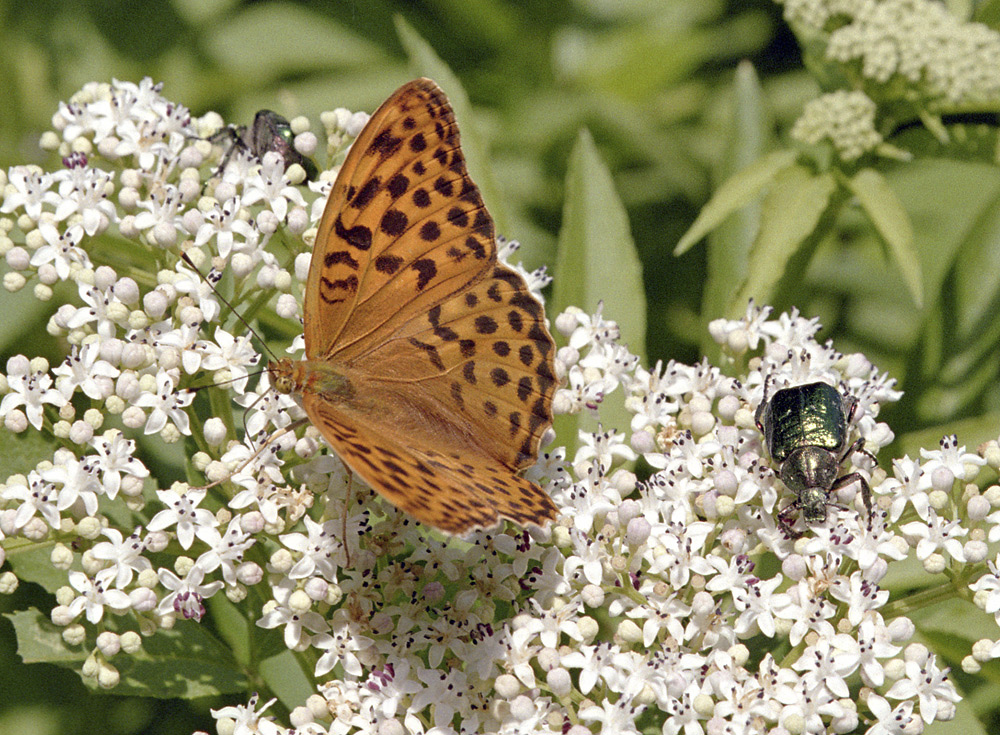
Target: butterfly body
pixel 428 362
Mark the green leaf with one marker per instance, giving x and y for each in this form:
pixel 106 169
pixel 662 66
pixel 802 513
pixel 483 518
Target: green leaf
pixel 729 245
pixel 287 679
pixel 32 562
pixel 886 212
pixel 597 260
pixel 736 192
pixel 792 209
pixel 39 640
pixel 946 200
pixel 21 453
pixel 425 62
pixel 267 41
pixel 185 661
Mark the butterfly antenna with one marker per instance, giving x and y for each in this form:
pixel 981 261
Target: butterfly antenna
pixel 225 301
pixel 196 388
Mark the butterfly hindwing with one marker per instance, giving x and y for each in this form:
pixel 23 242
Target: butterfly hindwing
pixel 487 354
pixel 455 492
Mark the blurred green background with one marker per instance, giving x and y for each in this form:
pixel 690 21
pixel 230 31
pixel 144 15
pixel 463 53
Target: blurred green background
pixel 653 83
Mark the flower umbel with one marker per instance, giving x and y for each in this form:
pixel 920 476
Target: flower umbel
pixel 677 602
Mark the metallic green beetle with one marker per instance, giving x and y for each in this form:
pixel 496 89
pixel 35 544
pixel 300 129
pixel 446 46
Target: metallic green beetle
pixel 269 132
pixel 806 429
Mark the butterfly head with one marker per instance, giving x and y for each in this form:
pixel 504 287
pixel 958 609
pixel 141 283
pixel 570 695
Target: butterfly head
pixel 282 375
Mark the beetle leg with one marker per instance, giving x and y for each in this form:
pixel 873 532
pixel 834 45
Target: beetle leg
pixel 233 136
pixel 866 491
pixel 858 446
pixel 782 518
pixel 760 407
pixel 850 406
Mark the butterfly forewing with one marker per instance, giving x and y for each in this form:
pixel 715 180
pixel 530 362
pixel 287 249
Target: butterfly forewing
pixel 429 365
pixel 404 227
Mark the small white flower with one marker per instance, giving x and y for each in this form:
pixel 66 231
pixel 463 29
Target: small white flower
pixel 295 624
pixel 186 595
pixel 36 497
pixel 114 456
pixel 199 288
pixel 603 446
pixel 83 192
pixel 162 209
pixel 891 721
pixel 270 185
pixel 29 389
pixel 166 404
pixel 78 480
pixel 929 684
pixel 84 369
pixel 124 556
pixel 936 533
pixel 94 597
pixel 28 188
pixel 248 720
pixel 183 512
pixel 223 223
pixel 340 646
pixel 61 249
pixel 317 549
pixel 962 464
pixel 98 310
pixel 230 353
pixel 226 551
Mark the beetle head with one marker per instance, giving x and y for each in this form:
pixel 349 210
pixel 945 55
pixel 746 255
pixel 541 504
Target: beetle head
pixel 813 502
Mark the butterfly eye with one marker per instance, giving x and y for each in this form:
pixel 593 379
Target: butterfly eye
pixel 281 376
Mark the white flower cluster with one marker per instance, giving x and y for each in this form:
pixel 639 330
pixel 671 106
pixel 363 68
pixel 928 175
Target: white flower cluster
pixel 675 603
pixel 917 41
pixel 815 15
pixel 846 119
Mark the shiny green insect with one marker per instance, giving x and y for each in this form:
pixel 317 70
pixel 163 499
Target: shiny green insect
pixel 269 132
pixel 806 430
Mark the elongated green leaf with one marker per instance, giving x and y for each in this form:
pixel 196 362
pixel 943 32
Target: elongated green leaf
pixel 737 191
pixel 597 261
pixel 886 212
pixel 425 62
pixel 729 244
pixel 790 213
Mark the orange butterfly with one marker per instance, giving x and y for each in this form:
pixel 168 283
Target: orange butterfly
pixel 428 365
